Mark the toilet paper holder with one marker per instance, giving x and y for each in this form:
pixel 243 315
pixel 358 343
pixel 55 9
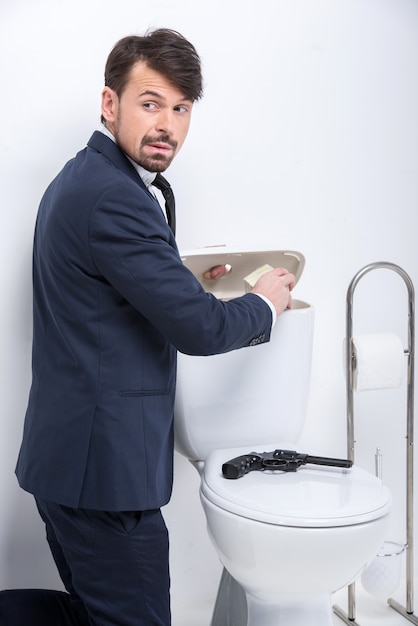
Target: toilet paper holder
pixel 408 610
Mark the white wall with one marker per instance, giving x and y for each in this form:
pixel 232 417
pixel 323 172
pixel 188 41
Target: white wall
pixel 307 138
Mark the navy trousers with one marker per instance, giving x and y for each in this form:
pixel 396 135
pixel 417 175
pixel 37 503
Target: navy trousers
pixel 36 607
pixel 114 566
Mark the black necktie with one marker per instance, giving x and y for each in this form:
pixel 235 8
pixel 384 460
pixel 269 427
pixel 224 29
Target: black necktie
pixel 170 206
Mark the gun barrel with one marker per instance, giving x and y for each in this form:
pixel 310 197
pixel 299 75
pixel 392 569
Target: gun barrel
pixel 325 460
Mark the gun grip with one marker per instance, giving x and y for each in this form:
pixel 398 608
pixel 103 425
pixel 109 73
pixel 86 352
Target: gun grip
pixel 236 468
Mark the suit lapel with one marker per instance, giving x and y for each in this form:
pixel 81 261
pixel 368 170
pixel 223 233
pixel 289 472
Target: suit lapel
pixel 98 141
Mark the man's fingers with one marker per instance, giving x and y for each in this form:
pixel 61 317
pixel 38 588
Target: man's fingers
pixel 215 273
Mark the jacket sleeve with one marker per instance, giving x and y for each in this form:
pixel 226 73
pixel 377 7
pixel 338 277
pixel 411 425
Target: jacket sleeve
pixel 133 249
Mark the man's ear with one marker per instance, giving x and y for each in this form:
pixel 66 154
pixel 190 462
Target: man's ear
pixel 110 102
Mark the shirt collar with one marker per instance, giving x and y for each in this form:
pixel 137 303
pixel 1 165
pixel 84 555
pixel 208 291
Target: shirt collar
pixel 146 176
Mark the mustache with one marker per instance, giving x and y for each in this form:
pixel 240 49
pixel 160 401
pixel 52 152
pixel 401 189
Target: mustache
pixel 160 139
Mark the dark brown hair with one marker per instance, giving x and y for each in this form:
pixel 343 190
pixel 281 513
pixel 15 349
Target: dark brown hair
pixel 165 51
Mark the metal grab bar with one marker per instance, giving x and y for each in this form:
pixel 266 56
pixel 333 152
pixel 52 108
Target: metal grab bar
pixel 408 611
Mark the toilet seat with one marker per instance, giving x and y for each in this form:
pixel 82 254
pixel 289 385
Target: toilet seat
pixel 313 496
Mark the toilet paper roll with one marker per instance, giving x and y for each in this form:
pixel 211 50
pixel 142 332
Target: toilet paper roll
pixel 379 361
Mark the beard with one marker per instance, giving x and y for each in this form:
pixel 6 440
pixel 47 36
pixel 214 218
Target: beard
pixel 156 162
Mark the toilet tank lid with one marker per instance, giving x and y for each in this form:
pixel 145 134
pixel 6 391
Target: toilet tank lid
pixel 242 264
pixel 313 496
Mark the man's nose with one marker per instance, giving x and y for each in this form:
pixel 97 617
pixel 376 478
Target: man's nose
pixel 165 121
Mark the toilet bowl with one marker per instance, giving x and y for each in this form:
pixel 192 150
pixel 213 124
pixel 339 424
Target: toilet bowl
pixel 287 540
pixel 291 539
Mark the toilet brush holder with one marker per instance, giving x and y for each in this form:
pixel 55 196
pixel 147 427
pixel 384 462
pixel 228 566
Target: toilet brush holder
pixel 382 576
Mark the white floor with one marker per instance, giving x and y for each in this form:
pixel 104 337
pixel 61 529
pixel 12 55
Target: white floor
pixel 369 612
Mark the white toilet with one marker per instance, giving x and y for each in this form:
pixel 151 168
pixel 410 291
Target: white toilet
pixel 287 539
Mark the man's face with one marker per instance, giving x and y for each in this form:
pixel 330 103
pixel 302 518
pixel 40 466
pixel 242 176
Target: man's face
pixel 150 120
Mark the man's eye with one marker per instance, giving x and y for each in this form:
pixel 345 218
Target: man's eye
pixel 181 109
pixel 149 105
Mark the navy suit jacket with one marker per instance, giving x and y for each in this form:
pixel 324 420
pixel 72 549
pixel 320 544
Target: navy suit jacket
pixel 112 304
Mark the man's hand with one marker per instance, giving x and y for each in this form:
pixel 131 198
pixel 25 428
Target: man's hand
pixel 276 287
pixel 217 272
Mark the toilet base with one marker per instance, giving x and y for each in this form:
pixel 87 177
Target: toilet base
pixel 231 603
pixel 234 608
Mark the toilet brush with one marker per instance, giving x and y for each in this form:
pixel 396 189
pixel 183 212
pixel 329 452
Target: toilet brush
pixel 382 575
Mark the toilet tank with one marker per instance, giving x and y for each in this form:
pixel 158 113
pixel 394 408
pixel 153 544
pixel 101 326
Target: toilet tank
pixel 253 395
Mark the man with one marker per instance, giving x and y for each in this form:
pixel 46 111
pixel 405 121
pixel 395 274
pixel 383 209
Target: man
pixel 112 305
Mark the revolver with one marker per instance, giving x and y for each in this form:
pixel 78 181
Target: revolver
pixel 283 460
